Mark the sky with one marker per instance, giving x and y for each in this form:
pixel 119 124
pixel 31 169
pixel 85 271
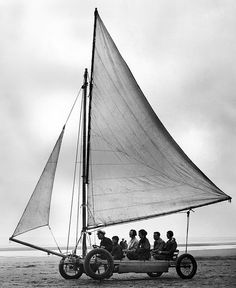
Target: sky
pixel 182 54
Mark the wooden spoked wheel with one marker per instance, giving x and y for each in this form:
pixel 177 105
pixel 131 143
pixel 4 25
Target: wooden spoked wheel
pixel 98 264
pixel 69 267
pixel 186 266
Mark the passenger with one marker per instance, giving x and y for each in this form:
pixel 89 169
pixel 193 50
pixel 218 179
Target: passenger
pixel 133 243
pixel 106 242
pixel 116 252
pixel 158 244
pixel 169 248
pixel 123 244
pixel 142 252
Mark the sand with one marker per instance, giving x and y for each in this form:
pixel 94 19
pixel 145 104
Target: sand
pixel 213 271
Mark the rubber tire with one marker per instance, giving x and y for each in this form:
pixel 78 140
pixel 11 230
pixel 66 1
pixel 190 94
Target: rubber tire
pixel 154 274
pixel 89 269
pixel 63 273
pixel 178 266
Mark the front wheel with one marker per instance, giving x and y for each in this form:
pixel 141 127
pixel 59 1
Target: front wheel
pixel 69 268
pixel 186 266
pixel 154 274
pixel 98 264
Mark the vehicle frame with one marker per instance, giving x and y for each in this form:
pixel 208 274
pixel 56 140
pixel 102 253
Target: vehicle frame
pixel 99 264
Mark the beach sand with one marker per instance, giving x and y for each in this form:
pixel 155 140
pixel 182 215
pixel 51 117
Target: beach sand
pixel 214 270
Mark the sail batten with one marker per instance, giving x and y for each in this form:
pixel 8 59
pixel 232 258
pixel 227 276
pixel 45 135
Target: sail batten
pixel 36 213
pixel 137 170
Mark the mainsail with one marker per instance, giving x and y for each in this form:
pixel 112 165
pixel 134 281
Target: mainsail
pixel 137 171
pixel 36 213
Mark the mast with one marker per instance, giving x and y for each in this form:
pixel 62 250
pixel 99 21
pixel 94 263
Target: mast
pixel 90 91
pixel 86 144
pixel 84 198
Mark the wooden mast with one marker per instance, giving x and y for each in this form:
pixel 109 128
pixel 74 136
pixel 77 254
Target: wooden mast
pixel 86 142
pixel 84 196
pixel 91 90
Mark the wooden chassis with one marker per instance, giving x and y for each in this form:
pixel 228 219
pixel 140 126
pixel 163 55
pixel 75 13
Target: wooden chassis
pixel 139 266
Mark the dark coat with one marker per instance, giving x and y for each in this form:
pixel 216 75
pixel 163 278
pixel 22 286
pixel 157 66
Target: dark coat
pixel 142 252
pixel 106 243
pixel 170 247
pixel 117 252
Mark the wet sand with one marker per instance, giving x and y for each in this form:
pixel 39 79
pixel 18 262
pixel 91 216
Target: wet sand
pixel 214 270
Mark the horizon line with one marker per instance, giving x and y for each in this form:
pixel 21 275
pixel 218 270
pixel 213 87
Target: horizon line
pixel 200 244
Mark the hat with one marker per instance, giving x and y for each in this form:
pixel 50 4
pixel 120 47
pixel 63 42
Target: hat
pixel 101 231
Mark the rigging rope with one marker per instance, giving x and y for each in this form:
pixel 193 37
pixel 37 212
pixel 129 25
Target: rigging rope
pixel 80 169
pixel 74 177
pixel 73 106
pixel 54 239
pixel 76 245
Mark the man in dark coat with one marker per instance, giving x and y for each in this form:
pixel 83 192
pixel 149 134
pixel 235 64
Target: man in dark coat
pixel 169 248
pixel 158 244
pixel 106 242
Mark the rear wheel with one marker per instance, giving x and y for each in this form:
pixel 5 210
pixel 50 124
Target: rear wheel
pixel 69 268
pixel 98 264
pixel 154 274
pixel 186 266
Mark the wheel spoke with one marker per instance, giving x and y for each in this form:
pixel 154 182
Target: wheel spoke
pixel 69 268
pixel 186 266
pixel 98 264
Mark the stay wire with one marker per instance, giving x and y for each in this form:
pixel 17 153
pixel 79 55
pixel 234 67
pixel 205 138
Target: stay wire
pixel 54 239
pixel 68 238
pixel 76 246
pixel 67 119
pixel 75 171
pixel 79 186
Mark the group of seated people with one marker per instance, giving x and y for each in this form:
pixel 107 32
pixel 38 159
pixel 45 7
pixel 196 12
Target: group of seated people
pixel 139 249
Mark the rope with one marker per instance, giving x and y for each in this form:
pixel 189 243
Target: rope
pixel 74 179
pixel 73 106
pixel 54 239
pixel 75 170
pixel 78 202
pixel 76 245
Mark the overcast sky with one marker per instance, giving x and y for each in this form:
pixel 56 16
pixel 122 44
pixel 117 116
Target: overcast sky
pixel 182 54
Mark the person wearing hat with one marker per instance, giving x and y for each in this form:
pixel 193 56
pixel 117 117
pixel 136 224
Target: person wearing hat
pixel 106 242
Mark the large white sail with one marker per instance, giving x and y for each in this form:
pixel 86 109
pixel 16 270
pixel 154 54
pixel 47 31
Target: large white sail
pixel 36 213
pixel 137 170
